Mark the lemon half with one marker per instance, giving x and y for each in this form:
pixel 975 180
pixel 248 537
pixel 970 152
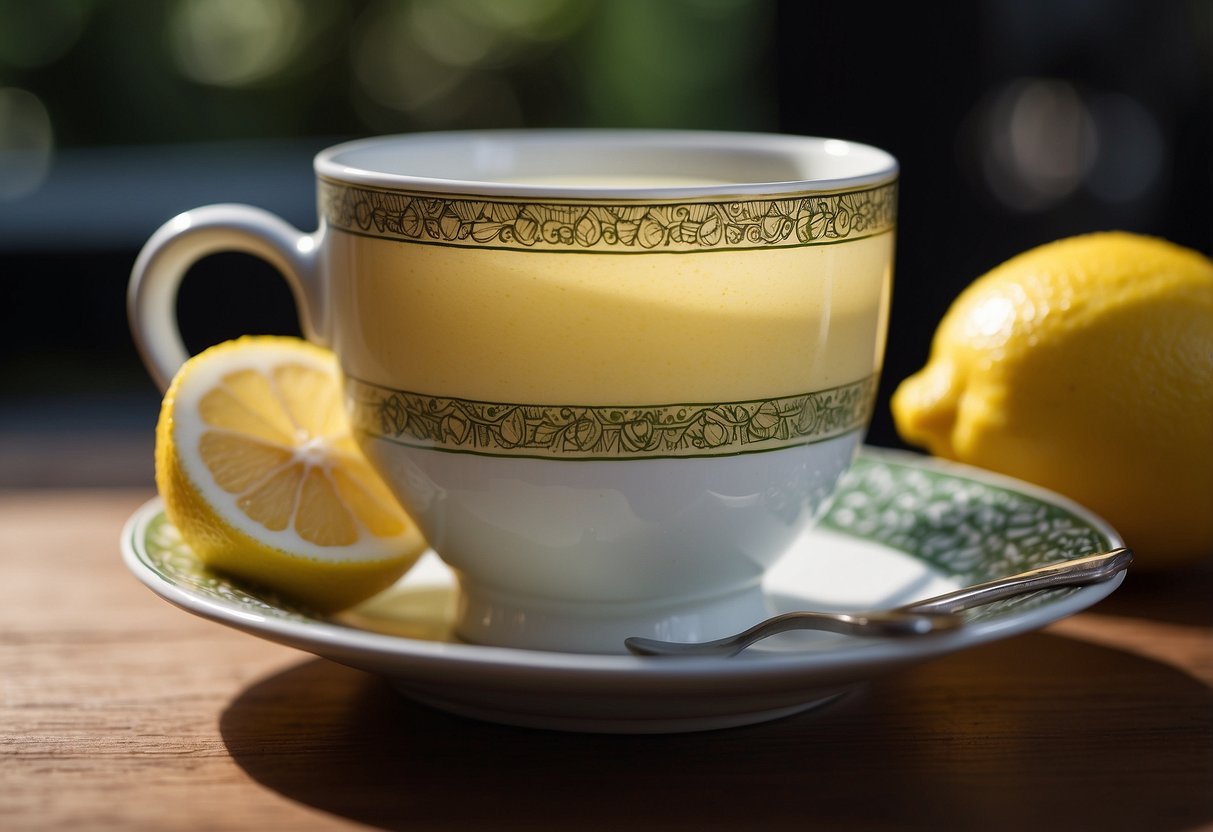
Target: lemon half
pixel 260 474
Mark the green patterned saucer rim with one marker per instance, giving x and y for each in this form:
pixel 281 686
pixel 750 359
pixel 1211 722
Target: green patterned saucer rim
pixel 962 522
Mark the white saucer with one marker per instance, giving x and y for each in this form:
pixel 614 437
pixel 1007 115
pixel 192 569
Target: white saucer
pixel 902 527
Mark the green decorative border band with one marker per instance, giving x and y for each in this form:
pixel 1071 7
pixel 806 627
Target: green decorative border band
pixel 618 227
pixel 610 432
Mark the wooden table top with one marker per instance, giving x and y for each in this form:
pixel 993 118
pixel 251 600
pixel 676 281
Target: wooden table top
pixel 118 711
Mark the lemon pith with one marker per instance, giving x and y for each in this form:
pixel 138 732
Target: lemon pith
pixel 258 471
pixel 1086 366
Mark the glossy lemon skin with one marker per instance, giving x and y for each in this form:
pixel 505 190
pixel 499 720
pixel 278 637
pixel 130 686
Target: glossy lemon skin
pixel 1086 366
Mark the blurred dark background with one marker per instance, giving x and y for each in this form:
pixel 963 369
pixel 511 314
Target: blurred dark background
pixel 1016 122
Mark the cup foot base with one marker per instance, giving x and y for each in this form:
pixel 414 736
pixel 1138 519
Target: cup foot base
pixel 489 618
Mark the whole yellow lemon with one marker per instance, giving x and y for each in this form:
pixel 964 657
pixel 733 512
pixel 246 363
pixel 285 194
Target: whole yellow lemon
pixel 1085 366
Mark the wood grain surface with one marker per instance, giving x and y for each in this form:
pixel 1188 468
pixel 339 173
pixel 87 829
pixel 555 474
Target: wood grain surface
pixel 120 712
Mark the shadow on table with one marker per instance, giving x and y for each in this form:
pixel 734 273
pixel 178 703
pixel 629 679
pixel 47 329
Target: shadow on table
pixel 1005 736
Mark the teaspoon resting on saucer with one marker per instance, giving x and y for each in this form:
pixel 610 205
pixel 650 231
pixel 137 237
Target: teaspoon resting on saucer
pixel 931 615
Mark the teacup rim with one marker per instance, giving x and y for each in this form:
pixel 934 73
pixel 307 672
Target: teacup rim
pixel 876 166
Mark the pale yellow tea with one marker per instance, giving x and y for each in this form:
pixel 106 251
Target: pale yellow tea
pixel 593 327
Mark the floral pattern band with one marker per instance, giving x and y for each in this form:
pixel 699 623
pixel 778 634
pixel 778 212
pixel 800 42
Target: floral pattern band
pixel 617 227
pixel 609 432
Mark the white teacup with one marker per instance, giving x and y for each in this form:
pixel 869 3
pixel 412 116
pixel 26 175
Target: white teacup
pixel 612 374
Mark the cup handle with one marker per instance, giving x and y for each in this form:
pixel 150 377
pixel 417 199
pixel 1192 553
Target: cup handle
pixel 182 241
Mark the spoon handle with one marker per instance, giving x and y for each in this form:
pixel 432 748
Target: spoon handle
pixel 887 623
pixel 917 618
pixel 1085 570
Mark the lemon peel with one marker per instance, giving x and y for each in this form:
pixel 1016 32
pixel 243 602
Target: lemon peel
pixel 259 472
pixel 1086 366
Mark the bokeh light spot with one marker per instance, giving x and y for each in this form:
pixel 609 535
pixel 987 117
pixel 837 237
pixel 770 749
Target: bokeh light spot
pixel 1039 142
pixel 232 43
pixel 391 65
pixel 26 143
pixel 453 38
pixel 1035 142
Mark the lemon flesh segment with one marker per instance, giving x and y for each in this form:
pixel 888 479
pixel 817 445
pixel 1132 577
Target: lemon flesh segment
pixel 1086 366
pixel 259 472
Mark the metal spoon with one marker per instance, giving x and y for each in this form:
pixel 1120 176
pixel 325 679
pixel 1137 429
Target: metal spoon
pixel 931 615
